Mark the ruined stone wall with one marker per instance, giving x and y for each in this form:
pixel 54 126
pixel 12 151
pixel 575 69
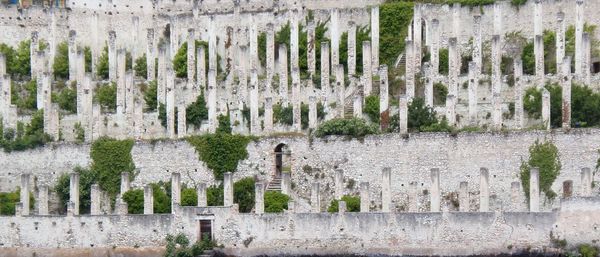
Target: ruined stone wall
pixel 314 160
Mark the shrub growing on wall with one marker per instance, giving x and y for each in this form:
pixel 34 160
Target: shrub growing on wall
pixel 352 204
pixel 86 179
pixel 111 157
pixel 140 67
pixel 353 127
pixel 106 96
pixel 26 136
pixel 150 95
pixel 543 155
pixel 24 95
pixel 189 196
pixel 220 151
pixel 135 201
pixel 276 202
pixel 66 97
pixel 102 67
pixel 61 61
pixel 371 108
pixel 197 112
pixel 162 197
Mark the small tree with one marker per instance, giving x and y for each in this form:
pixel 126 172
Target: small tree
pixel 135 201
pixel 106 96
pixel 545 157
pixel 141 67
pixel 61 61
pixel 276 202
pixel 102 67
pixel 196 112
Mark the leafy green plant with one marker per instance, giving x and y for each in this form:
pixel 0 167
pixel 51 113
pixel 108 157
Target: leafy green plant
pixel 197 112
pixel 352 204
pixel 243 194
pixel 106 96
pixel 224 124
pixel 394 19
pixel 543 155
pixel 24 95
pixel 220 151
pixel 353 127
pixel 8 201
pixel 443 61
pixel 26 136
pixel 62 189
pixel 141 67
pixel 362 34
pixel 371 108
pixel 179 246
pixel 189 196
pixel 61 61
pixel 440 92
pixel 79 132
pixel 150 94
pixel 135 201
pixel 276 202
pixel 111 157
pixel 102 67
pixel 162 197
pixel 66 98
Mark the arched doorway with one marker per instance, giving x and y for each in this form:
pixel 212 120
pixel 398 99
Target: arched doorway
pixel 282 159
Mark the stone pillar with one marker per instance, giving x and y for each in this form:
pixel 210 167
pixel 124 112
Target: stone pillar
pixel 335 38
pixel 472 91
pixel 254 122
pixel 121 80
pixel 374 38
pixel 270 51
pixel 170 103
pixel 212 101
pixel 254 62
pixel 312 112
pixel 565 83
pixel 579 22
pixel 534 190
pixel 315 198
pixel 351 48
pixel 191 56
pixel 268 118
pixel 311 56
pixel 451 110
pixel 546 108
pixel 463 197
pixel 212 46
pixel 95 196
pixel 161 79
pixel 181 120
pixel 150 55
pixel 74 192
pixel 586 182
pixel 294 41
pixel 340 89
pixel 417 31
pixel 498 30
pixel 175 191
pixel 33 49
pixel 24 200
pixel 477 44
pixel 112 55
pixel 357 106
pixel 515 196
pixel 286 183
pixel 484 190
pixel 201 193
pixel 587 59
pixel 201 68
pixel 454 66
pixel 283 75
pixel 403 115
pixel 496 63
pixel 538 47
pixel 342 207
pixel 435 48
pixel 227 189
pixel 43 200
pixel 456 20
pixel 413 197
pixel 325 71
pixel 259 198
pixel 518 73
pixel 497 111
pixel 538 27
pixel 72 54
pixel 428 81
pixel 567 188
pixel 296 112
pixel 125 185
pixel 384 113
pixel 435 190
pixel 148 200
pixel 386 189
pixel 560 38
pixel 243 74
pixel 410 69
pixel 367 67
pixel 365 201
pixel 339 184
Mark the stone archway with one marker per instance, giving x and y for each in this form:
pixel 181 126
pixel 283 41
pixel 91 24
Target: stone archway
pixel 282 159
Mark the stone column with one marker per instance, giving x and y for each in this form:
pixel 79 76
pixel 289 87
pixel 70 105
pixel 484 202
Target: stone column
pixel 587 59
pixel 268 118
pixel 463 197
pixel 42 200
pixel 579 22
pixel 538 27
pixel 413 197
pixel 515 196
pixel 586 182
pixel 325 71
pixel 451 110
pixel 435 48
pixel 340 89
pixel 374 38
pixel 72 54
pixel 417 31
pixel 339 184
pixel 254 122
pixel 162 75
pixel 243 74
pixel 546 108
pixel 367 67
pixel 201 192
pixel 472 89
pixel 384 113
pixel 212 101
pixel 428 81
pixel 112 55
pixel 560 38
pixel 534 190
pixel 484 190
pixel 74 192
pixel 95 195
pixel 191 56
pixel 121 70
pixel 201 68
pixel 270 51
pixel 259 198
pixel 294 41
pixel 335 38
pixel 518 73
pixel 33 49
pixel 150 55
pixel 498 30
pixel 181 121
pixel 456 20
pixel 125 185
pixel 24 200
pixel 312 112
pixel 435 190
pixel 477 44
pixel 170 103
pixel 212 46
pixel 254 62
pixel 538 47
pixel 227 189
pixel 148 200
pixel 454 66
pixel 286 183
pixel 403 115
pixel 283 75
pixel 175 191
pixel 497 111
pixel 410 69
pixel 565 83
pixel 351 48
pixel 386 189
pixel 496 63
pixel 365 201
pixel 357 106
pixel 315 198
pixel 311 56
pixel 133 44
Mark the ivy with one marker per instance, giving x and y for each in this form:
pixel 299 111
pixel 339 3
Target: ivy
pixel 111 157
pixel 362 34
pixel 220 151
pixel 543 155
pixel 394 19
pixel 353 127
pixel 106 96
pixel 352 204
pixel 371 108
pixel 276 202
pixel 197 112
pixel 180 59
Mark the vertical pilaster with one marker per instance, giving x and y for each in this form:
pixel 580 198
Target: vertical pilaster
pixel 335 38
pixel 386 189
pixel 538 27
pixel 286 183
pixel 125 185
pixel 579 22
pixel 95 196
pixel 351 48
pixel 74 192
pixel 496 65
pixel 538 47
pixel 150 55
pixel 325 88
pixel 259 198
pixel 24 194
pixel 374 38
pixel 312 112
pixel 270 52
pixel 534 190
pixel 456 20
pixel 384 113
pixel 463 197
pixel 42 200
pixel 311 55
pixel 417 31
pixel 212 101
pixel 201 192
pixel 181 120
pixel 228 189
pixel 472 91
pixel 112 55
pixel 565 83
pixel 435 48
pixel 410 69
pixel 148 200
pixel 170 103
pixel 357 106
pixel 191 57
pixel 453 66
pixel 201 68
pixel 560 38
pixel 484 190
pixel 546 108
pixel 367 67
pixel 451 109
pixel 587 59
pixel 403 115
pixel 518 73
pixel 339 184
pixel 175 191
pixel 435 190
pixel 268 119
pixel 477 44
pixel 283 75
pixel 340 89
pixel 496 112
pixel 586 182
pixel 254 122
pixel 294 41
pixel 315 198
pixel 365 201
pixel 413 197
pixel 72 54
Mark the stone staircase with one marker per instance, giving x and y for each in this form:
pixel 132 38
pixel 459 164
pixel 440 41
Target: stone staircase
pixel 275 184
pixel 349 100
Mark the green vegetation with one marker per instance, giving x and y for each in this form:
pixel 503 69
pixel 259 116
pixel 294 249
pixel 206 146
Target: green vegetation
pixel 394 19
pixel 25 136
pixel 179 246
pixel 17 61
pixel 362 34
pixel 135 201
pixel 276 202
pixel 87 55
pixel 543 155
pixel 106 96
pixel 141 67
pixel 180 58
pixel 586 250
pixel 111 157
pixel 443 61
pixel 440 92
pixel 161 193
pixel 353 127
pixel 62 187
pixel 102 67
pixel 61 61
pixel 371 108
pixel 243 194
pixel 65 97
pixel 150 94
pixel 352 204
pixel 421 118
pixel 224 124
pixel 285 115
pixel 24 95
pixel 8 201
pixel 528 55
pixel 196 112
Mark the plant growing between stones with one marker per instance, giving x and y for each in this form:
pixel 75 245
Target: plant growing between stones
pixel 543 155
pixel 352 204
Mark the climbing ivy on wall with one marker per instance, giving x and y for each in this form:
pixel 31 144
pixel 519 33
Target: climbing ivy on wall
pixel 220 151
pixel 110 157
pixel 394 18
pixel 543 155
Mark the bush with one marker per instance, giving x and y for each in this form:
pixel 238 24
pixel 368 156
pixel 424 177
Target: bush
pixel 214 196
pixel 532 102
pixel 440 93
pixel 24 95
pixel 362 34
pixel 26 136
pixel 135 201
pixel 102 67
pixel 179 246
pixel 224 125
pixel 8 200
pixel 545 157
pixel 196 112
pixel 111 157
pixel 189 196
pixel 394 19
pixel 443 61
pixel 221 151
pixel 276 202
pixel 162 197
pixel 528 55
pixel 352 204
pixel 353 127
pixel 61 61
pixel 87 55
pixel 62 188
pixel 150 96
pixel 22 65
pixel 371 108
pixel 243 194
pixel 420 116
pixel 106 96
pixel 586 250
pixel 141 67
pixel 66 99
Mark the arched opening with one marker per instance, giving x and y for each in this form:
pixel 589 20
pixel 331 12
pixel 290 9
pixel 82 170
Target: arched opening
pixel 282 159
